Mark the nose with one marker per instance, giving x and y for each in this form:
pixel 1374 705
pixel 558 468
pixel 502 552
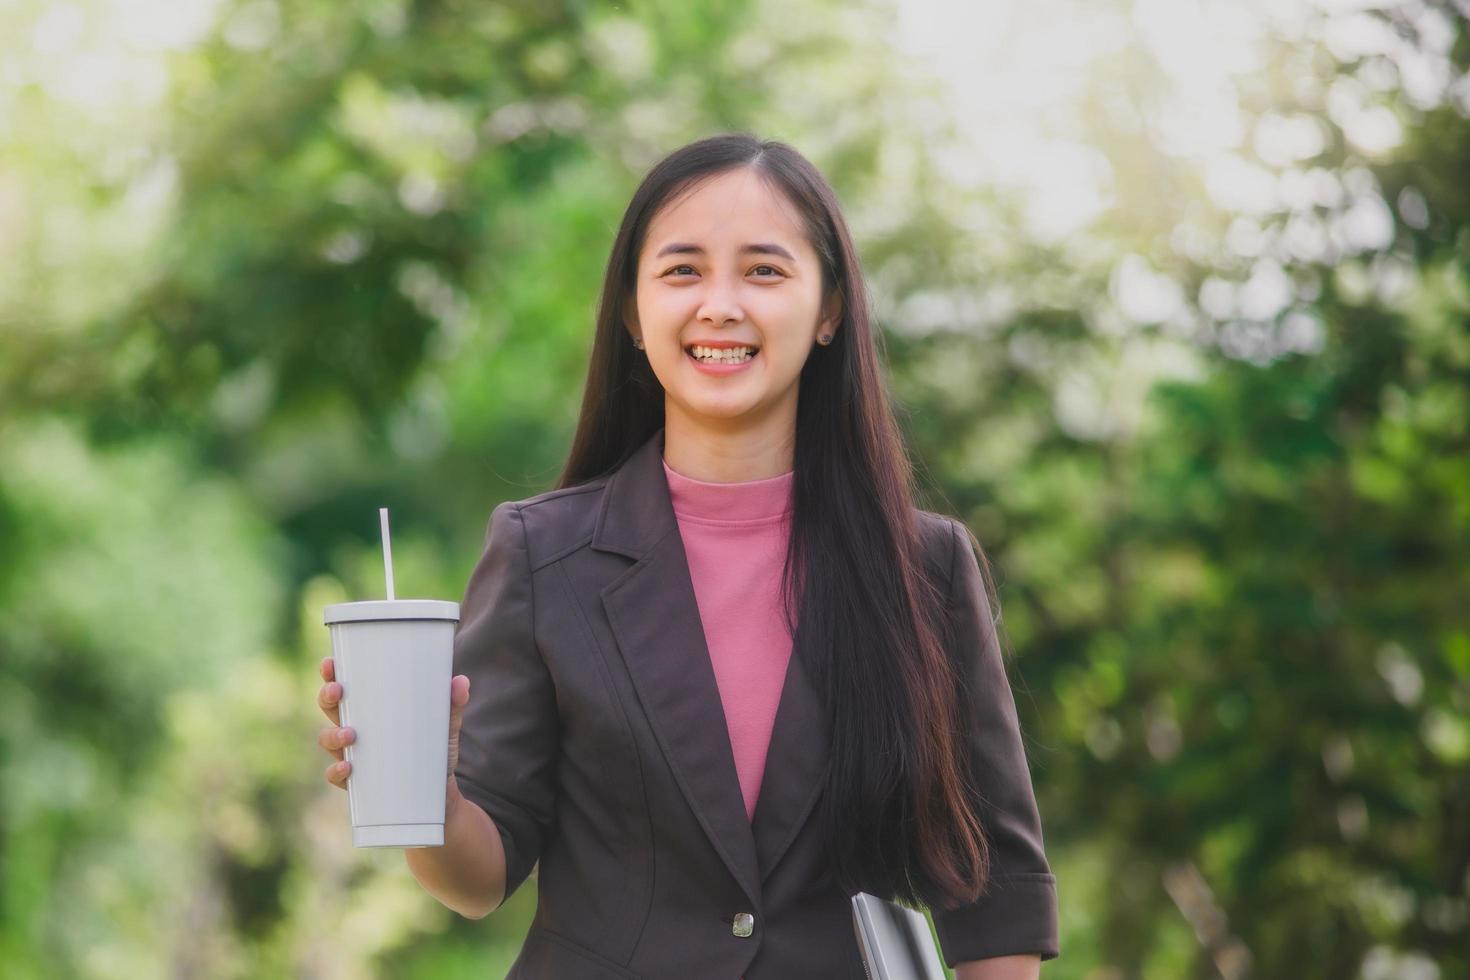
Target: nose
pixel 720 305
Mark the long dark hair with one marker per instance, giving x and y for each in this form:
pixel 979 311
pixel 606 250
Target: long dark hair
pixel 899 810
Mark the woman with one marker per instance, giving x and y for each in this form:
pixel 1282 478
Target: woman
pixel 726 674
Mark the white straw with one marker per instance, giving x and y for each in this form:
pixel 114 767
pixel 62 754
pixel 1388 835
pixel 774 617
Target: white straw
pixel 387 550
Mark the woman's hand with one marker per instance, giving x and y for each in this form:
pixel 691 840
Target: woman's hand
pixel 1022 967
pixel 335 738
pixel 459 696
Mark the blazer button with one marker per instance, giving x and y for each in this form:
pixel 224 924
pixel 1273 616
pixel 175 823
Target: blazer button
pixel 743 925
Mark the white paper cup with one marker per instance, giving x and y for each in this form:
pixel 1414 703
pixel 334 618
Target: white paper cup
pixel 394 660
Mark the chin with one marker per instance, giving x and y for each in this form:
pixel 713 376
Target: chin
pixel 721 413
pixel 718 411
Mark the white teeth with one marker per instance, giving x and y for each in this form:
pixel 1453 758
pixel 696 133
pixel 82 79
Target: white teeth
pixel 722 355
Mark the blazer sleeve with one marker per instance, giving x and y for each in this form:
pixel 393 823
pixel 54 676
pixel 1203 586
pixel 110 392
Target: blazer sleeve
pixel 508 739
pixel 1017 912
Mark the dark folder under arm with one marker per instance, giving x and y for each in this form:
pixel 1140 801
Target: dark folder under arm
pixel 895 941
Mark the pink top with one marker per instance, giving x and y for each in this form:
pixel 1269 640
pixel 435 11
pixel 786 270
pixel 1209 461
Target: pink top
pixel 735 537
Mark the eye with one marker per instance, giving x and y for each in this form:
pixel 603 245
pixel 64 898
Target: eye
pixel 771 271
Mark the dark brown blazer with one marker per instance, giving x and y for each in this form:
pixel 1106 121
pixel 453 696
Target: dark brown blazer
pixel 595 739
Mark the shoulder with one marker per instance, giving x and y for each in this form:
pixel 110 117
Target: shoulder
pixel 940 537
pixel 556 521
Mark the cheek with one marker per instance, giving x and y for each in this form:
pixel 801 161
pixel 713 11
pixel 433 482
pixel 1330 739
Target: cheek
pixel 786 355
pixel 662 309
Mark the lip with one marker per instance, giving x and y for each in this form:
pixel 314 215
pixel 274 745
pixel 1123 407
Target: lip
pixel 722 368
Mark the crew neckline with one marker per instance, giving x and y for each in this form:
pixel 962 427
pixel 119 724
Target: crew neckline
pixel 743 502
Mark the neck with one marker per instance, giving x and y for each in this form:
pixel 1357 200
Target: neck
pixel 731 454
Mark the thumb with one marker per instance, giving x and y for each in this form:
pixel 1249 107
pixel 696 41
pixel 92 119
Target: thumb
pixel 459 696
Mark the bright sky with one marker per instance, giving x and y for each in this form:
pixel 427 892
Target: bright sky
pixel 1016 72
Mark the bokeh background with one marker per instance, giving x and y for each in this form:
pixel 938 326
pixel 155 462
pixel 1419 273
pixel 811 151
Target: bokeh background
pixel 1176 303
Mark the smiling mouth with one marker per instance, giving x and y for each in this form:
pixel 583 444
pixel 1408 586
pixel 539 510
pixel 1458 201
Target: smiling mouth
pixel 724 356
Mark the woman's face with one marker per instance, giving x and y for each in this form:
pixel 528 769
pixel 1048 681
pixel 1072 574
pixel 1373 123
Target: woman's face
pixel 729 264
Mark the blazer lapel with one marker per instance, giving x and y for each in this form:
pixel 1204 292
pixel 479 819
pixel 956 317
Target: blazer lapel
pixel 796 766
pixel 655 618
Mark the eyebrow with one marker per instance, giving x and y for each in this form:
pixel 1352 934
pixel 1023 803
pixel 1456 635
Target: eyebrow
pixel 758 248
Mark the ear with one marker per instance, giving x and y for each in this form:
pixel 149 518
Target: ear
pixel 630 315
pixel 832 312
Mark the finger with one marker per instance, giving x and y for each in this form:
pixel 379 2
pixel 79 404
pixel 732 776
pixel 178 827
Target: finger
pixel 328 669
pixel 333 739
pixel 328 698
pixel 338 772
pixel 459 696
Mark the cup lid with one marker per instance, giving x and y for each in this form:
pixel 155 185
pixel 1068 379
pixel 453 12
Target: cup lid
pixel 356 612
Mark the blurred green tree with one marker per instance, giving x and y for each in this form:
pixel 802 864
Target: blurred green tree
pixel 1240 584
pixel 1214 447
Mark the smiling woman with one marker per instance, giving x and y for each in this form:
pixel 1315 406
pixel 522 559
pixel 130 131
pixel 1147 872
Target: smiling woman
pixel 728 265
pixel 727 674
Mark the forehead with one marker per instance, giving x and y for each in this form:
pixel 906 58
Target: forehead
pixel 727 211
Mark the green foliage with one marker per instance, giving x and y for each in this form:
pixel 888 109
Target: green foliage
pixel 348 256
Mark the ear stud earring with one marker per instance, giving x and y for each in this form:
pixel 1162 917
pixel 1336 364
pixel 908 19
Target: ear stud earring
pixel 638 342
pixel 825 339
